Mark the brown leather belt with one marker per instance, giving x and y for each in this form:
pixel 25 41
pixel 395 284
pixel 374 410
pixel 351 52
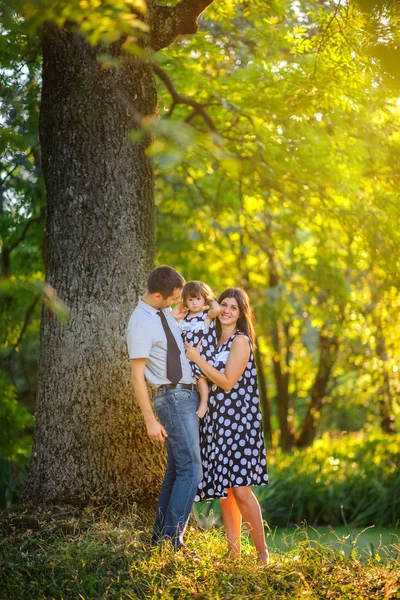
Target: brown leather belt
pixel 162 389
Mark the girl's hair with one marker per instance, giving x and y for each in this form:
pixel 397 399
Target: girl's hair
pixel 197 288
pixel 245 321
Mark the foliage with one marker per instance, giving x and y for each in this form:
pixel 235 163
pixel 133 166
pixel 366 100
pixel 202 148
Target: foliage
pixel 277 169
pixel 348 479
pixel 13 419
pixel 61 555
pixel 22 212
pixel 15 443
pixel 303 214
pixel 101 22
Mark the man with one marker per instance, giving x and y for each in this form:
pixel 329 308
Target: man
pixel 157 353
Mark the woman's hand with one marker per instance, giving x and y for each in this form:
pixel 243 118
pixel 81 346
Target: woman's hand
pixel 193 352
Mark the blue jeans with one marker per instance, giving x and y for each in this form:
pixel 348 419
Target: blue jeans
pixel 176 411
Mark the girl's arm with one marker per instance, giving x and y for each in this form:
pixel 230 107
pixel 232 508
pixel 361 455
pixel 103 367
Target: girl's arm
pixel 179 311
pixel 213 312
pixel 237 361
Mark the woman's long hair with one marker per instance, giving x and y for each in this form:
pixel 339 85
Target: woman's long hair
pixel 245 321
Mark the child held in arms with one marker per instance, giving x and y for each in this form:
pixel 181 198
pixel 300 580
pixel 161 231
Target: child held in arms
pixel 196 314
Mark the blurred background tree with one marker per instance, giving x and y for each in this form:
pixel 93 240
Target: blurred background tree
pixel 303 214
pixel 277 169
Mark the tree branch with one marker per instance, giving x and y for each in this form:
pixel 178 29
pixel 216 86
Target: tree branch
pixel 179 99
pixel 25 231
pixel 168 22
pixel 8 175
pixel 28 316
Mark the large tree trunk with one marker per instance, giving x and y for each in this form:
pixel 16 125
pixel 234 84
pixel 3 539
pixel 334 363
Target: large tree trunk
pixel 90 441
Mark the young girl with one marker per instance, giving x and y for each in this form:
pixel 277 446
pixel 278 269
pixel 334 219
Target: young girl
pixel 197 325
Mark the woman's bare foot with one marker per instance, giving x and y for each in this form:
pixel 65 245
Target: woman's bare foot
pixel 263 556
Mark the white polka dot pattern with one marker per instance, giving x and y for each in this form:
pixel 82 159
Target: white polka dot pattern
pixel 231 438
pixel 194 330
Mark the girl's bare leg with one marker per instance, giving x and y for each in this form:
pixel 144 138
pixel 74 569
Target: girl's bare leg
pixel 250 510
pixel 232 520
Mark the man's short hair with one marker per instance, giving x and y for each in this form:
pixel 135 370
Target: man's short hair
pixel 164 280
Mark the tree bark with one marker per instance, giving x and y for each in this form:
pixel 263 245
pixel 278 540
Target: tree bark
pixel 281 376
pixel 385 399
pixel 264 400
pixel 328 351
pixel 168 22
pixel 90 442
pixel 282 393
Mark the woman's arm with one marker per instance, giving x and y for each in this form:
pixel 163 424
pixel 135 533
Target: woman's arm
pixel 237 361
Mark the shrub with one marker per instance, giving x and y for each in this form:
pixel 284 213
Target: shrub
pixel 15 445
pixel 353 479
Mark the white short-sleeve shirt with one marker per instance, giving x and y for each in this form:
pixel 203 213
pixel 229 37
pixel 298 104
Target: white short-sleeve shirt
pixel 146 339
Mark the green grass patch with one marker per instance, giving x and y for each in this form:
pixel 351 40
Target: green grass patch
pixel 379 543
pixel 66 555
pixel 347 479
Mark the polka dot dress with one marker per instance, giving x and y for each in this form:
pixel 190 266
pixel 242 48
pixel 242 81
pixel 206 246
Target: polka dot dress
pixel 231 438
pixel 193 330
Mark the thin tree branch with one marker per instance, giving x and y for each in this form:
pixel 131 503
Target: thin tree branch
pixel 8 175
pixel 25 231
pixel 179 99
pixel 28 316
pixel 323 37
pixel 344 35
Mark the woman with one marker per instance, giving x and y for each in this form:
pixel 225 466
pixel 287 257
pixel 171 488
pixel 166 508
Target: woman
pixel 231 439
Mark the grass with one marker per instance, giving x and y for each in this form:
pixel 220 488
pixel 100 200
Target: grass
pixel 368 542
pixel 349 478
pixel 66 555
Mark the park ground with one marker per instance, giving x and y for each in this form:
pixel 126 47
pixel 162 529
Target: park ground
pixel 62 554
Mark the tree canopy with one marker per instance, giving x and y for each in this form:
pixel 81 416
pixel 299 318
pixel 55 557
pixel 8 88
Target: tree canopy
pixel 277 168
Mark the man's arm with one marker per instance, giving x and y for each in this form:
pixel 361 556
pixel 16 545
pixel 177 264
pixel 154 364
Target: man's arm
pixel 155 430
